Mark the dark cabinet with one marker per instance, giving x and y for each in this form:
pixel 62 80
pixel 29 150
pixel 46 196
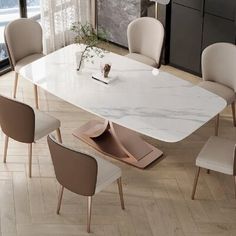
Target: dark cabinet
pixel 221 8
pixel 195 4
pixel 195 24
pixel 185 41
pixel 217 29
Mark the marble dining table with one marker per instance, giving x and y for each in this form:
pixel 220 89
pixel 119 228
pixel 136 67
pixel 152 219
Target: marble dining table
pixel 138 102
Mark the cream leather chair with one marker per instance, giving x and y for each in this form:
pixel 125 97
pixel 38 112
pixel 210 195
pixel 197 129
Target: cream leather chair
pixel 82 173
pixel 219 74
pixel 23 38
pixel 23 124
pixel 145 40
pixel 219 155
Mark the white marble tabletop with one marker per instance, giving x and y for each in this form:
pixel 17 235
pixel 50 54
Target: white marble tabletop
pixel 164 106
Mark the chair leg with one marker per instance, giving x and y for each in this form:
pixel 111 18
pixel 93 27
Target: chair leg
pixel 119 183
pixel 15 84
pixel 30 159
pixel 195 182
pixel 59 135
pixel 60 199
pixel 89 213
pixel 36 96
pixel 217 125
pixel 208 171
pixel 233 113
pixel 234 187
pixel 5 148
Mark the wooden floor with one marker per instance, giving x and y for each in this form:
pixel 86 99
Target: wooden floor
pixel 157 199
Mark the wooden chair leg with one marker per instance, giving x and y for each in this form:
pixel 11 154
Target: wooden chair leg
pixel 217 125
pixel 208 171
pixel 5 148
pixel 233 113
pixel 234 187
pixel 36 96
pixel 195 182
pixel 60 199
pixel 30 159
pixel 59 135
pixel 119 183
pixel 15 84
pixel 89 213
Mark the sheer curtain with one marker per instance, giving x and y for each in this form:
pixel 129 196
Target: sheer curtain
pixel 57 17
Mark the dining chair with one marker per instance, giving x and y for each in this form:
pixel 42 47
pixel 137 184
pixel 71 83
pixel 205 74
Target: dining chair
pixel 23 39
pixel 219 74
pixel 83 174
pixel 145 40
pixel 23 124
pixel 218 154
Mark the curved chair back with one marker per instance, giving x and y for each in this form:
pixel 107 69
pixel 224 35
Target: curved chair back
pixel 17 120
pixel 23 37
pixel 145 36
pixel 219 64
pixel 74 170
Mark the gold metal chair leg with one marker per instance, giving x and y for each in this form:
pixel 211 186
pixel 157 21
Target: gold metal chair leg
pixel 36 96
pixel 59 135
pixel 5 148
pixel 217 125
pixel 30 159
pixel 233 113
pixel 119 183
pixel 60 199
pixel 89 213
pixel 15 84
pixel 195 182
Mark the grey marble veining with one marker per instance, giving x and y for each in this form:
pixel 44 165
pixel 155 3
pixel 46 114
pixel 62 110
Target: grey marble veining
pixel 164 106
pixel 114 16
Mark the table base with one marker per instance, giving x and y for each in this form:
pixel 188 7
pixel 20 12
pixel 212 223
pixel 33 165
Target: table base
pixel 118 142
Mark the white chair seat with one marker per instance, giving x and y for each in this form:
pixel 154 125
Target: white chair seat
pixel 107 174
pixel 44 124
pixel 217 155
pixel 27 60
pixel 221 90
pixel 144 59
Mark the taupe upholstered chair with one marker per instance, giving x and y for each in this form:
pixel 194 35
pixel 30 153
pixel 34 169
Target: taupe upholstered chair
pixel 23 38
pixel 219 155
pixel 219 74
pixel 23 124
pixel 145 40
pixel 82 174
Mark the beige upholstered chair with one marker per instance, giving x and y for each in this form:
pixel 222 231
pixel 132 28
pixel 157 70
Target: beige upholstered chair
pixel 219 73
pixel 23 38
pixel 82 174
pixel 145 40
pixel 23 124
pixel 219 155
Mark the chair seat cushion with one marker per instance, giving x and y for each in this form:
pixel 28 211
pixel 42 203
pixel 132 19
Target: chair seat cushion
pixel 225 92
pixel 107 173
pixel 141 58
pixel 217 155
pixel 44 124
pixel 27 60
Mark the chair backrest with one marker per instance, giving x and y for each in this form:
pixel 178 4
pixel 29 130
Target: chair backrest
pixel 145 36
pixel 219 64
pixel 23 37
pixel 17 120
pixel 74 170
